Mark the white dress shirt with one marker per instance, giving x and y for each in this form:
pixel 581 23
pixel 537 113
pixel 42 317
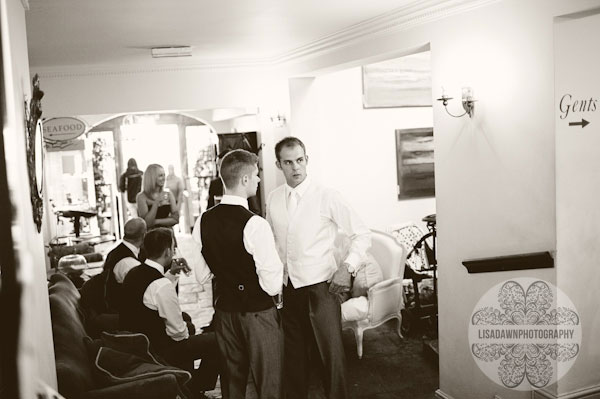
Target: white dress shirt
pixel 258 242
pixel 162 297
pixel 305 239
pixel 126 264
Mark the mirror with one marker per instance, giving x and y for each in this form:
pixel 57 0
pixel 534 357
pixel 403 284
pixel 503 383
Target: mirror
pixel 35 150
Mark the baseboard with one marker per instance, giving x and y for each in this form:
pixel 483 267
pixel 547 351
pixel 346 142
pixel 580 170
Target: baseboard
pixel 439 394
pixel 586 393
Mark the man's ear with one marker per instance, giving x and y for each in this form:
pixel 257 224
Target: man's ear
pixel 306 158
pixel 278 164
pixel 245 179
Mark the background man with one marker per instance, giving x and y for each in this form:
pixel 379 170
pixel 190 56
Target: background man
pixel 131 182
pixel 175 185
pixel 215 190
pixel 238 248
pixel 305 218
pixel 120 260
pixel 150 306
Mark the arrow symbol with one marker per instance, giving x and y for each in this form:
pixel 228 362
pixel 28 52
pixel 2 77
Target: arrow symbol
pixel 583 123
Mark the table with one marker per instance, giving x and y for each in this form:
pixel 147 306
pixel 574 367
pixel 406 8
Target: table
pixel 76 215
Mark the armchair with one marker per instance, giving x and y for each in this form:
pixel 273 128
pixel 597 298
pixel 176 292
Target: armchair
pixel 385 299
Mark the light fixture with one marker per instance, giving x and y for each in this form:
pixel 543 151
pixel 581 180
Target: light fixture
pixel 468 102
pixel 171 51
pixel 278 120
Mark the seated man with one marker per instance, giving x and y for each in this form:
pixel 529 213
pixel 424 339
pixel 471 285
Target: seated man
pixel 120 260
pixel 150 306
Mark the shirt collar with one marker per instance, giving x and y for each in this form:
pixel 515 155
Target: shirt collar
pixel 234 200
pixel 155 265
pixel 300 189
pixel 134 249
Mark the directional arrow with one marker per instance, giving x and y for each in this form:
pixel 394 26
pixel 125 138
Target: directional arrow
pixel 583 123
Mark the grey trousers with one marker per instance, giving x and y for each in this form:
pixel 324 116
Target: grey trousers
pixel 250 341
pixel 311 315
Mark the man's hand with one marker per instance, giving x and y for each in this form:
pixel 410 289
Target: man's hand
pixel 178 265
pixel 341 280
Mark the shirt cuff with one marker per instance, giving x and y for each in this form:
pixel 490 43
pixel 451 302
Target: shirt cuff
pixel 353 261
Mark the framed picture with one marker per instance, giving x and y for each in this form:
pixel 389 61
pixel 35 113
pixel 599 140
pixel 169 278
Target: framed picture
pixel 414 151
pixel 400 82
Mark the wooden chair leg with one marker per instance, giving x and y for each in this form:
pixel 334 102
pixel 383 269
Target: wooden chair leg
pixel 358 334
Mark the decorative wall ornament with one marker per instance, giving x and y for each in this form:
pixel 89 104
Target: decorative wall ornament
pixel 35 150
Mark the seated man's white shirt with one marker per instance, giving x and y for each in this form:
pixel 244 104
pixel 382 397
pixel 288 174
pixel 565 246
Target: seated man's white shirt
pixel 258 242
pixel 126 264
pixel 162 297
pixel 305 240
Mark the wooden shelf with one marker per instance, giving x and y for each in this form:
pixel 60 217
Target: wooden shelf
pixel 537 260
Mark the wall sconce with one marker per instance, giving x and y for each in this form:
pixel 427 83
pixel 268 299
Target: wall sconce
pixel 468 102
pixel 278 120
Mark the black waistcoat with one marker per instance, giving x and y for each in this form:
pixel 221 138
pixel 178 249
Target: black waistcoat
pixel 237 287
pixel 134 316
pixel 112 289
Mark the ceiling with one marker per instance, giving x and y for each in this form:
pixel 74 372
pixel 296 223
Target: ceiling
pixel 121 32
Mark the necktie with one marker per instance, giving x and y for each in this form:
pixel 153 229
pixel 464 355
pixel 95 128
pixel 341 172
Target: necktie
pixel 292 203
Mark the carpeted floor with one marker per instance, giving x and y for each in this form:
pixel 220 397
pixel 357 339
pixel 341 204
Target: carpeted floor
pixel 391 368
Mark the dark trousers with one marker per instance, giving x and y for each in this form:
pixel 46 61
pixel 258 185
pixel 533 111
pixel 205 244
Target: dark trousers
pixel 250 341
pixel 183 353
pixel 311 315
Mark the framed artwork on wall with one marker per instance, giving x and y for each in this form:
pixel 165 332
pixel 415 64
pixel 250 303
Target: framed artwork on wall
pixel 414 154
pixel 399 82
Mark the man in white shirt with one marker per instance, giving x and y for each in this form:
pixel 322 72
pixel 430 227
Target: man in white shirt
pixel 120 260
pixel 306 218
pixel 238 248
pixel 150 306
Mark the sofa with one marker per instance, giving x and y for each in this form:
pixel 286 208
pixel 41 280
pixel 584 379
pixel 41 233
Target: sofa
pixel 83 364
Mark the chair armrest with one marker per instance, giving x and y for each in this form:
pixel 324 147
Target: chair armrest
pixel 385 299
pixel 159 387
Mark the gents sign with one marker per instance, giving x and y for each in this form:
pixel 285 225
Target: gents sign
pixel 571 106
pixel 63 129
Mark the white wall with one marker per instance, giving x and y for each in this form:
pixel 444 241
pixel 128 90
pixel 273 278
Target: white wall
pixel 353 149
pixel 36 353
pixel 577 189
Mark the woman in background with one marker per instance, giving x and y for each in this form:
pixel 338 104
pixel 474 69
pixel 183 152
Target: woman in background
pixel 155 205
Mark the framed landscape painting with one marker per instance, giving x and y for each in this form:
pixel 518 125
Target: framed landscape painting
pixel 414 151
pixel 400 82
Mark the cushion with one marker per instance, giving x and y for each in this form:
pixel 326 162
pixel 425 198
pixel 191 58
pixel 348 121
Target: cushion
pixel 355 309
pixel 368 274
pixel 125 357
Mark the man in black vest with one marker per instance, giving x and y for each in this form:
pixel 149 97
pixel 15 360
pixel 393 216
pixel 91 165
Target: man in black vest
pixel 120 260
pixel 238 248
pixel 150 306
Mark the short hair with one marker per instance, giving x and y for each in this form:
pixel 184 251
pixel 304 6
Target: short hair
pixel 135 229
pixel 150 177
pixel 289 141
pixel 235 164
pixel 156 241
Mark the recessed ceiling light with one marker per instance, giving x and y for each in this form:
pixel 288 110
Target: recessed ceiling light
pixel 172 51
